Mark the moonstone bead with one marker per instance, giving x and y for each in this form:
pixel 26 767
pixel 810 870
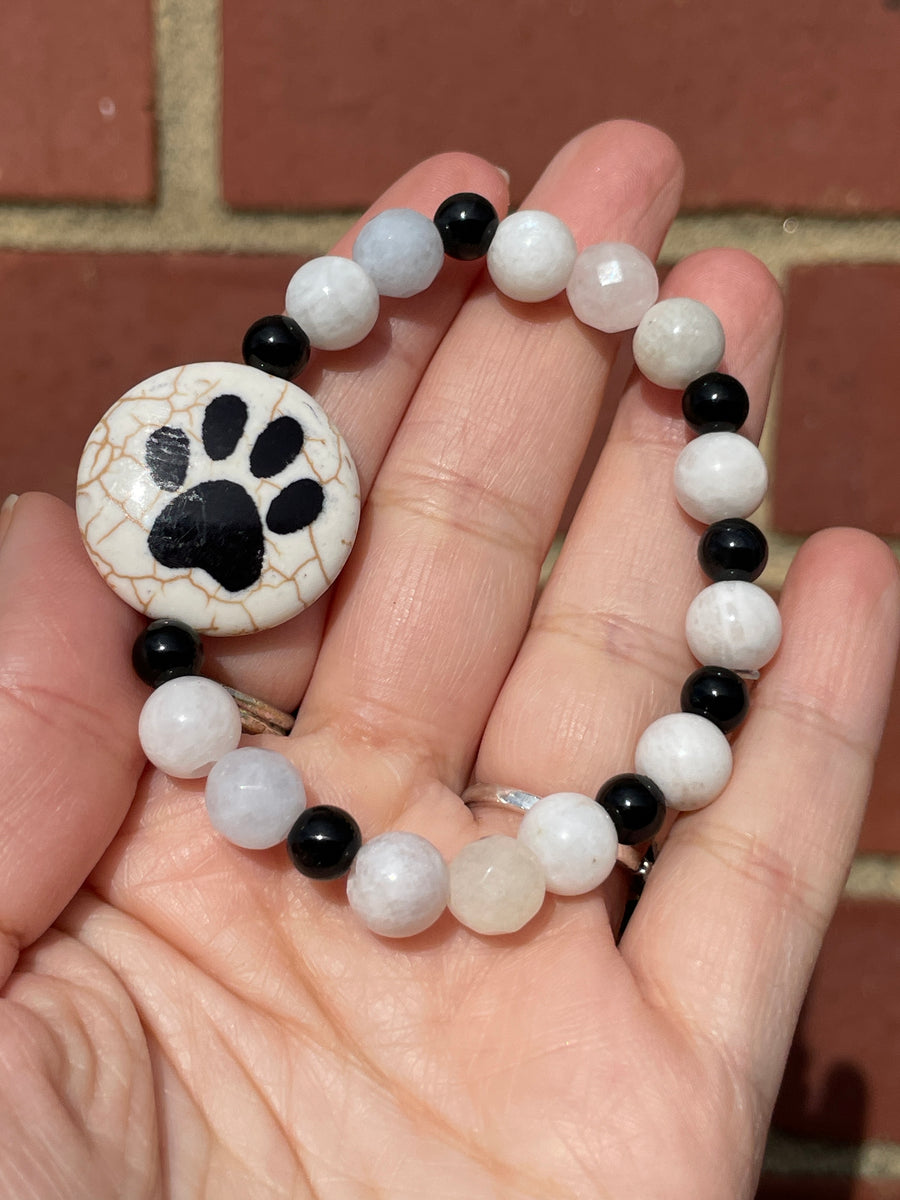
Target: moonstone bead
pixel 733 624
pixel 720 475
pixel 687 757
pixel 612 286
pixel 496 885
pixel 401 251
pixel 333 301
pixel 678 340
pixel 187 725
pixel 398 884
pixel 254 796
pixel 573 839
pixel 531 255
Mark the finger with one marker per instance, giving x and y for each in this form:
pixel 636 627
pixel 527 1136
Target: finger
pixel 469 497
pixel 606 652
pixel 365 391
pixel 734 913
pixel 69 706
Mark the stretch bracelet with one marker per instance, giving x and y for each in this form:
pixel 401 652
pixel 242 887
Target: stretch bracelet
pixel 219 499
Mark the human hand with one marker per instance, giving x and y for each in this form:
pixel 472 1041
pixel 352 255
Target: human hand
pixel 184 1018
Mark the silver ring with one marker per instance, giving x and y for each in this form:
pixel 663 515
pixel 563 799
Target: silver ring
pixel 638 859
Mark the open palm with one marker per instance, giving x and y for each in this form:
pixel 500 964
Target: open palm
pixel 182 1018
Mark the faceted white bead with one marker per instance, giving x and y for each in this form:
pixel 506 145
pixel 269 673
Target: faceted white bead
pixel 187 724
pixel 531 255
pixel 254 796
pixel 686 756
pixel 398 884
pixel 333 300
pixel 574 840
pixel 733 624
pixel 496 885
pixel 678 340
pixel 401 251
pixel 720 475
pixel 612 286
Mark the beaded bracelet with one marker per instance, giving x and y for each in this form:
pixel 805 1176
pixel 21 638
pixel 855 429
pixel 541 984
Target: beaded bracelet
pixel 193 530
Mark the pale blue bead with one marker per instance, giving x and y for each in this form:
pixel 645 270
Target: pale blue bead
pixel 401 251
pixel 254 796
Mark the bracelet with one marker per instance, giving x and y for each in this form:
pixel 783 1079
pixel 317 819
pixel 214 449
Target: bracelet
pixel 218 498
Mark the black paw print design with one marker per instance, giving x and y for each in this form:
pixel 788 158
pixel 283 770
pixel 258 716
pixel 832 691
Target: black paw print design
pixel 216 524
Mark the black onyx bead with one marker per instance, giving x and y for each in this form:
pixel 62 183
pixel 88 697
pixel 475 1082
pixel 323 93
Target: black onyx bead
pixel 733 549
pixel 714 403
pixel 636 805
pixel 276 345
pixel 467 223
pixel 323 842
pixel 166 650
pixel 718 694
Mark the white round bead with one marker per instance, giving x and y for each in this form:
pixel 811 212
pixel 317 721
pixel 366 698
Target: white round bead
pixel 733 624
pixel 574 840
pixel 677 341
pixel 401 251
pixel 398 884
pixel 187 724
pixel 333 300
pixel 254 796
pixel 496 885
pixel 686 756
pixel 612 286
pixel 531 255
pixel 720 475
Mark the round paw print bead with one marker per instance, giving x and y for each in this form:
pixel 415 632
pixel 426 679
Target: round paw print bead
pixel 218 495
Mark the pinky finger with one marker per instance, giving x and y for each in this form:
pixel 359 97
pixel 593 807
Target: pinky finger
pixel 69 705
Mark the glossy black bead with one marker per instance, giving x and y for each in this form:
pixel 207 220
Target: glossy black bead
pixel 166 649
pixel 467 223
pixel 714 403
pixel 636 805
pixel 276 345
pixel 733 549
pixel 323 842
pixel 718 694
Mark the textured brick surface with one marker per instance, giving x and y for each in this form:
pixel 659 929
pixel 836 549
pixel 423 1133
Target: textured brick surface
pixel 805 1187
pixel 774 105
pixel 839 421
pixel 842 1081
pixel 76 94
pixel 88 327
pixel 881 828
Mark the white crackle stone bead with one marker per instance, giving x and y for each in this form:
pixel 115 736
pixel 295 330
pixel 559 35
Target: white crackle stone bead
pixel 398 884
pixel 720 475
pixel 686 756
pixel 254 796
pixel 401 251
pixel 496 885
pixel 187 725
pixel 733 624
pixel 333 301
pixel 612 286
pixel 677 341
pixel 574 840
pixel 531 255
pixel 219 495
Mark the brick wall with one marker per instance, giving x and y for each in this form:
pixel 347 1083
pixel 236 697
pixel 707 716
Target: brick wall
pixel 163 168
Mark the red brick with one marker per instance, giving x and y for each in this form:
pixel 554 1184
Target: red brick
pixel 76 100
pixel 881 827
pixel 819 1187
pixel 841 1081
pixel 775 105
pixel 839 421
pixel 81 329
